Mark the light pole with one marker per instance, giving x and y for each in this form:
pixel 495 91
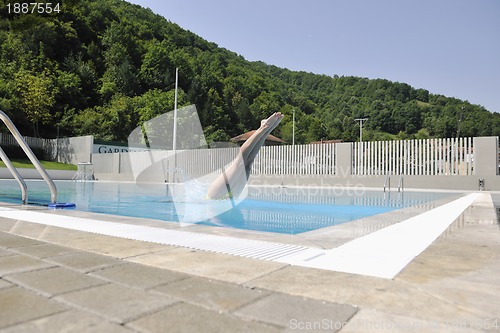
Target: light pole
pixel 361 120
pixel 293 127
pixel 174 139
pixel 460 121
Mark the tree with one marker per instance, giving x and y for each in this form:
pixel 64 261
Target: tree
pixel 423 133
pixel 79 65
pixel 37 96
pixel 113 122
pixel 120 76
pixel 156 102
pixel 156 68
pixel 213 113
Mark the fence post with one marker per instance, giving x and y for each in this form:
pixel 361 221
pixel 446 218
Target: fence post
pixel 486 156
pixel 343 154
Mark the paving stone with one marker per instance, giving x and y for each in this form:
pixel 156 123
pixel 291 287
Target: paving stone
pixel 31 230
pixel 13 241
pixel 188 318
pixel 5 253
pixel 45 250
pixel 215 266
pixel 54 281
pixel 20 263
pixel 62 236
pixel 301 281
pixel 69 322
pixel 115 302
pixel 4 284
pixel 370 321
pixel 289 311
pixel 139 276
pixel 6 224
pixel 84 261
pixel 219 296
pixel 19 305
pixel 116 247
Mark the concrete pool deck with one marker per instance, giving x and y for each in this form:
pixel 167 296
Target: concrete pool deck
pixel 52 279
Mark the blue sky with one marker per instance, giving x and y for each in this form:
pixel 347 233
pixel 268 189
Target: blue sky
pixel 449 47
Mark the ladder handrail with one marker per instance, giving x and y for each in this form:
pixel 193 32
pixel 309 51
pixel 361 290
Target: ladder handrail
pixel 387 181
pixel 401 183
pixel 17 176
pixel 12 128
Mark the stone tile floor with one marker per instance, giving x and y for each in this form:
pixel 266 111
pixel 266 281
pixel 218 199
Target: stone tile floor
pixel 52 288
pixel 59 280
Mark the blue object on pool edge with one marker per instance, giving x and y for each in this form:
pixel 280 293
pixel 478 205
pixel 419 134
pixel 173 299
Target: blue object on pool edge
pixel 60 205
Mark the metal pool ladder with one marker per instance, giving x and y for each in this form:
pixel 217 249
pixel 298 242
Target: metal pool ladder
pixel 387 181
pixel 401 187
pixel 13 130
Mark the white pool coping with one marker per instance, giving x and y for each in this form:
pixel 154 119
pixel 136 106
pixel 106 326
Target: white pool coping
pixel 386 252
pixel 383 253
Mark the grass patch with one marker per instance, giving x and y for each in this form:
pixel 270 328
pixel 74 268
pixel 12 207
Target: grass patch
pixel 26 164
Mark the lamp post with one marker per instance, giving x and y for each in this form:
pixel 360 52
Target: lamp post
pixel 293 127
pixel 174 144
pixel 174 139
pixel 460 121
pixel 361 120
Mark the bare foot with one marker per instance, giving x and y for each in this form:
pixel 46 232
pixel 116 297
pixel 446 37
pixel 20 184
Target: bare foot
pixel 271 122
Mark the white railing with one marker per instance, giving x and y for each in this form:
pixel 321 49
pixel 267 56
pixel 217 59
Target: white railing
pixel 204 161
pixel 432 157
pixel 312 159
pixel 414 157
pixel 9 140
pixel 316 159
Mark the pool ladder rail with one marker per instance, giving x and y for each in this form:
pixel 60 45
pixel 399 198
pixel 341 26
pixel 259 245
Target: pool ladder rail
pixel 387 182
pixel 401 183
pixel 34 160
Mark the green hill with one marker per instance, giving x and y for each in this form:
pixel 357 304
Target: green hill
pixel 102 67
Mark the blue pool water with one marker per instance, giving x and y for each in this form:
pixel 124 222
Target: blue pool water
pixel 281 210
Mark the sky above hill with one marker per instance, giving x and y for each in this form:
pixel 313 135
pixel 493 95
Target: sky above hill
pixel 449 47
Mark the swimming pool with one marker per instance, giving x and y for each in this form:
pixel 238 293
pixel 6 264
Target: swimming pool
pixel 269 209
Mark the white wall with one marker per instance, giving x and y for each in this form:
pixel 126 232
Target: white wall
pixel 71 150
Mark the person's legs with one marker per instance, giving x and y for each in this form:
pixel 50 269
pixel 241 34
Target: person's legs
pixel 252 146
pixel 261 140
pixel 234 178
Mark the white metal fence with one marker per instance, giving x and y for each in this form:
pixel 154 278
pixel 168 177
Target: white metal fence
pixel 451 156
pixel 313 159
pixel 414 157
pixel 204 161
pixel 318 159
pixel 9 140
pixel 66 150
pixel 431 157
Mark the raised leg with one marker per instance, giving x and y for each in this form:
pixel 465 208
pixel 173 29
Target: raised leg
pixel 234 178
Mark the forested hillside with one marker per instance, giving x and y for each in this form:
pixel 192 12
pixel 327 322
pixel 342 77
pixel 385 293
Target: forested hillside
pixel 102 67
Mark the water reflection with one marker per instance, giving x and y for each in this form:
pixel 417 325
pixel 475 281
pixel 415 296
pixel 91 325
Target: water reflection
pixel 273 209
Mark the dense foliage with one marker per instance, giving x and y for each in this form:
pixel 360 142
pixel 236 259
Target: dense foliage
pixel 102 67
